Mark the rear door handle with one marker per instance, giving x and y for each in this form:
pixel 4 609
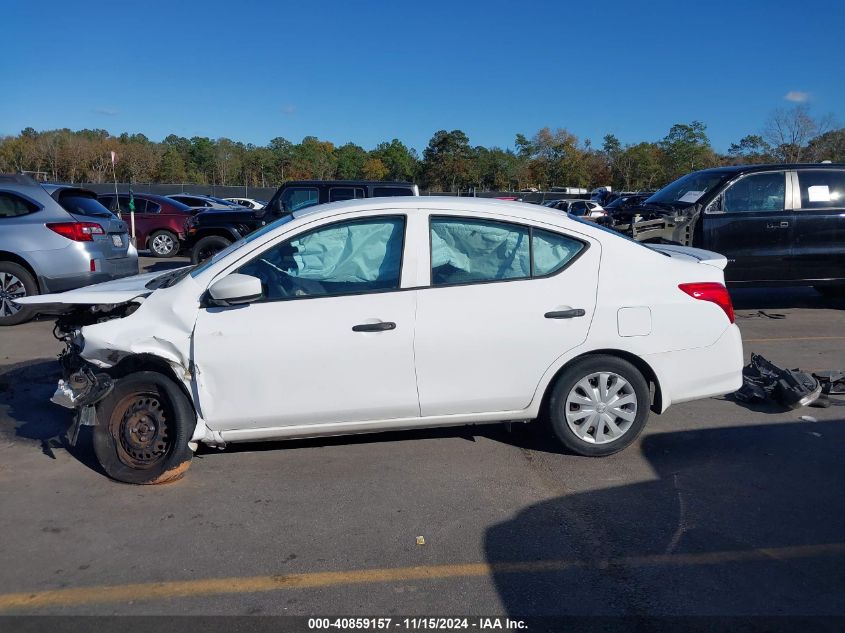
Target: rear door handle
pixel 565 314
pixel 374 327
pixel 777 225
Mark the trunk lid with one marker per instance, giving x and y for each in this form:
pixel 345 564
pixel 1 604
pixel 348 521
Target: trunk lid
pixel 689 253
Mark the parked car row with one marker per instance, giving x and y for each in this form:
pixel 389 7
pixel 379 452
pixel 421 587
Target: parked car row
pixel 55 238
pixel 586 209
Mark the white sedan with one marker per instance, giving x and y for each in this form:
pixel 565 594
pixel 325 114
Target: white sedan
pixel 395 313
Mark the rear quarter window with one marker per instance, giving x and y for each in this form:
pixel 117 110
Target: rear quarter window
pixel 822 189
pixel 80 203
pixel 12 205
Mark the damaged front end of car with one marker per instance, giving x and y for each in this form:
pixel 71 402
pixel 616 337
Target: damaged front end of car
pixel 83 384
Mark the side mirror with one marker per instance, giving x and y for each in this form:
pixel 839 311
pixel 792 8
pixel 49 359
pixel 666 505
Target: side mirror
pixel 235 289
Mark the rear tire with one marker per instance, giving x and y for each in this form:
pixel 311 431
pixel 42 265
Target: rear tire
pixel 599 405
pixel 15 282
pixel 207 247
pixel 163 244
pixel 143 429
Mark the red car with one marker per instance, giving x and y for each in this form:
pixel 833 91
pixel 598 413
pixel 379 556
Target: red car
pixel 159 221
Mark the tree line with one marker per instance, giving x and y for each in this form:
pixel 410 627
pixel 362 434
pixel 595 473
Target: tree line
pixel 550 157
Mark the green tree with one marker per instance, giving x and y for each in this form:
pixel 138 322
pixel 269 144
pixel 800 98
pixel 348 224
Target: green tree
pixel 686 148
pixel 172 166
pixel 314 158
pixel 401 162
pixel 447 161
pixel 350 161
pixel 751 149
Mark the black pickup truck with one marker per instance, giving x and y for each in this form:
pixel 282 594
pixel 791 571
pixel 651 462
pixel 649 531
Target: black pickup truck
pixel 211 231
pixel 777 224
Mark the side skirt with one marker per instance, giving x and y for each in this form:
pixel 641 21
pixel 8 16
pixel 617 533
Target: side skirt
pixel 300 431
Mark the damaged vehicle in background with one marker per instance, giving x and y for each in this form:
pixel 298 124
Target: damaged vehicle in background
pixel 778 225
pixel 395 313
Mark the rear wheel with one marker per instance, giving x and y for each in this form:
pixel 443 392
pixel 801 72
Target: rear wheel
pixel 143 429
pixel 16 282
pixel 599 405
pixel 207 247
pixel 163 244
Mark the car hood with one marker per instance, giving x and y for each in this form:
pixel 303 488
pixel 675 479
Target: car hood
pixel 107 293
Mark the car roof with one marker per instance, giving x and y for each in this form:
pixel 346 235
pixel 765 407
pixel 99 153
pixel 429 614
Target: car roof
pixel 518 210
pixel 347 183
pixel 741 169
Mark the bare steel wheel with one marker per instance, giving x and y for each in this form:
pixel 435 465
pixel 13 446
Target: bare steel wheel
pixel 599 405
pixel 143 429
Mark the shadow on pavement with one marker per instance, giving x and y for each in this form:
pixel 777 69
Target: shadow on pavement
pixel 783 298
pixel 165 264
pixel 739 521
pixel 25 391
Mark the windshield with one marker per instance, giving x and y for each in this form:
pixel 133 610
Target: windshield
pixel 201 268
pixel 688 189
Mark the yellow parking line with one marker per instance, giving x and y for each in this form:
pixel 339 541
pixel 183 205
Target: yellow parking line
pixel 78 596
pixel 794 338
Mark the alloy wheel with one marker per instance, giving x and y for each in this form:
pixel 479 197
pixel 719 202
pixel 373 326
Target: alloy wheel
pixel 163 244
pixel 11 288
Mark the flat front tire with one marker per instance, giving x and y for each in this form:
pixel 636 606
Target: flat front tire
pixel 599 405
pixel 143 429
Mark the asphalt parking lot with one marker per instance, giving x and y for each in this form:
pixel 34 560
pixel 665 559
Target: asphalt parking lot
pixel 718 509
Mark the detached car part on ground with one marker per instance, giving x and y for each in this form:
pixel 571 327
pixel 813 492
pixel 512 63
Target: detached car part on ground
pixel 401 313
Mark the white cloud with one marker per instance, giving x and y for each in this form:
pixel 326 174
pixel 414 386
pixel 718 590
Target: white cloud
pixel 797 96
pixel 289 110
pixel 106 111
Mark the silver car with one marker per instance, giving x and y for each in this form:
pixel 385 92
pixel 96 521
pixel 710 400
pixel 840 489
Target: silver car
pixel 55 238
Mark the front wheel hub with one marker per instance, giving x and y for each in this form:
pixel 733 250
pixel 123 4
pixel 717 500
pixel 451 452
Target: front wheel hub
pixel 142 431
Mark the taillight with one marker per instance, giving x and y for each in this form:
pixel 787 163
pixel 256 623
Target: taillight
pixel 711 291
pixel 77 231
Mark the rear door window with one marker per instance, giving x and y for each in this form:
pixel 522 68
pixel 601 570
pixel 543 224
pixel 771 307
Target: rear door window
pixel 337 194
pixel 466 250
pixel 12 206
pixel 299 198
pixel 822 189
pixel 754 193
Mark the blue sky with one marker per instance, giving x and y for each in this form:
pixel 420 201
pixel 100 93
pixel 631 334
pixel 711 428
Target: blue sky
pixel 370 71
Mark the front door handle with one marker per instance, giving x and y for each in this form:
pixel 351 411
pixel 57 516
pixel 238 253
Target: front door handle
pixel 777 225
pixel 383 326
pixel 565 314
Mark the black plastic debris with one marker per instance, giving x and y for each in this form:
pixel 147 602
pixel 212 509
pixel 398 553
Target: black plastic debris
pixel 833 382
pixel 793 388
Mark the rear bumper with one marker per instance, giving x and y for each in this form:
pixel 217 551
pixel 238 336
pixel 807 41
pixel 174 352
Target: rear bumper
pixel 106 270
pixel 702 372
